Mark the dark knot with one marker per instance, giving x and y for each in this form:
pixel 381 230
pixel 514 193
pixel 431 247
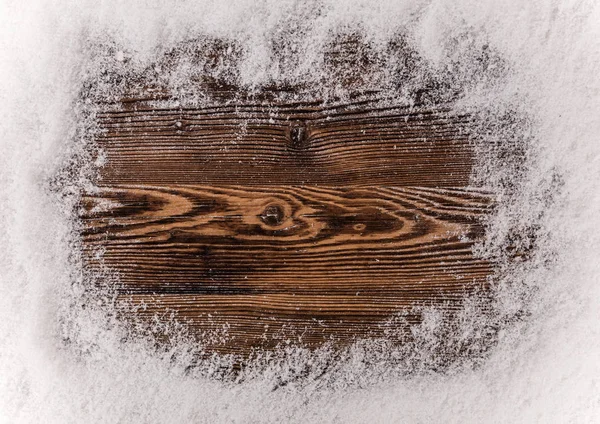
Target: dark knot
pixel 272 215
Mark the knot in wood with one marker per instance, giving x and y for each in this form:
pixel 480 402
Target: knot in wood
pixel 298 135
pixel 272 215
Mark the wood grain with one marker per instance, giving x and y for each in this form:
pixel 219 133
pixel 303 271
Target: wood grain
pixel 238 324
pixel 260 224
pixel 277 239
pixel 269 265
pixel 363 143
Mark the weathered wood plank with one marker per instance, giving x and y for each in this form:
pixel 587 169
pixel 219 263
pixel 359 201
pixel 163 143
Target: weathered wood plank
pixel 361 143
pixel 286 239
pixel 237 324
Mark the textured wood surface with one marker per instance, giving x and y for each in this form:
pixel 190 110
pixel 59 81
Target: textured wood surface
pixel 262 224
pixel 280 239
pixel 238 324
pixel 362 143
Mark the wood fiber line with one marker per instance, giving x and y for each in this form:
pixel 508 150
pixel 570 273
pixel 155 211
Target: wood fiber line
pixel 239 323
pixel 286 239
pixel 264 146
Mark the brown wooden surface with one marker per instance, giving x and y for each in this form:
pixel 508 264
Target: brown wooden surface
pixel 233 323
pixel 286 222
pixel 361 143
pixel 282 239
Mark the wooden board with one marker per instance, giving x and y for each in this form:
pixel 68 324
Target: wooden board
pixel 350 145
pixel 285 215
pixel 287 222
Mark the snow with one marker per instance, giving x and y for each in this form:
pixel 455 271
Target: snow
pixel 62 361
